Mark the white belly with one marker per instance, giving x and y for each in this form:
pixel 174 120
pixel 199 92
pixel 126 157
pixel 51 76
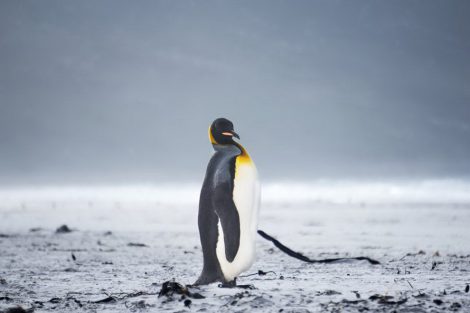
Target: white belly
pixel 246 195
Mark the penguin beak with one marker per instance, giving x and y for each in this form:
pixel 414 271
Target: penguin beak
pixel 235 135
pixel 231 133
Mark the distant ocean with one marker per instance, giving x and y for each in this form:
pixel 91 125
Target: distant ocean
pixel 327 191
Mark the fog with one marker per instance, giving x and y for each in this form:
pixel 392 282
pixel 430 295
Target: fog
pixel 123 92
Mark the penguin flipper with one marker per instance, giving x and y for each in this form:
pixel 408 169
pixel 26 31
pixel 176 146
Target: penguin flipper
pixel 228 216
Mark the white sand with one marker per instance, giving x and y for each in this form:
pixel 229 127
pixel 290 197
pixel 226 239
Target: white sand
pixel 382 221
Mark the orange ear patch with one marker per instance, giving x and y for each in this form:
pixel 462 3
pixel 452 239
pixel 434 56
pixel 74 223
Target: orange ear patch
pixel 211 138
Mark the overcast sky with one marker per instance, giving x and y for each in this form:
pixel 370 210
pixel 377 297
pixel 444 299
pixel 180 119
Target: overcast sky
pixel 124 91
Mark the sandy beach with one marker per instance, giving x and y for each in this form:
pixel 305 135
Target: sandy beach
pixel 118 254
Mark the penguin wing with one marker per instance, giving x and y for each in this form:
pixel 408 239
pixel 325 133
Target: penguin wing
pixel 228 216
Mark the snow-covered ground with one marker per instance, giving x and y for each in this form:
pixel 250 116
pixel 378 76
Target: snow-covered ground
pixel 419 231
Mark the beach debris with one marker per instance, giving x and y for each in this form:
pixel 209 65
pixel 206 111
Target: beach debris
pixel 420 252
pixel 328 292
pixel 187 303
pixel 38 304
pixel 19 309
pixel 259 273
pixel 302 257
pixel 73 257
pixel 71 270
pixel 63 230
pixel 358 295
pixel 78 302
pixel 346 301
pixel 108 299
pixel 333 306
pixel 262 273
pixel 3 281
pixel 455 306
pixel 136 244
pixel 114 297
pixel 433 266
pixel 467 288
pixel 385 299
pixel 421 295
pixel 56 300
pixel 169 288
pixel 137 305
pixel 253 301
pixel 458 256
pixel 437 301
pixel 234 299
pixel 436 254
pixel 380 297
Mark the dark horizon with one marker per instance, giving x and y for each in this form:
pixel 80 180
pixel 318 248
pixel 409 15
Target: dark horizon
pixel 116 92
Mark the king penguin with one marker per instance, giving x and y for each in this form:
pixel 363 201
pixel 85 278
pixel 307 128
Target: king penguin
pixel 228 208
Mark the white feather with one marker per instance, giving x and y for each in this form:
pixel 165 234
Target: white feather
pixel 246 196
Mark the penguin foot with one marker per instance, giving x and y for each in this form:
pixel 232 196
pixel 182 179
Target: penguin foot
pixel 230 284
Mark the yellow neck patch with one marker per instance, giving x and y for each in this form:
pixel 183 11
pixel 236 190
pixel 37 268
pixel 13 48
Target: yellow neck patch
pixel 244 157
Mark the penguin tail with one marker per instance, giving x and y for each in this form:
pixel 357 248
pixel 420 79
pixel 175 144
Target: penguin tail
pixel 301 257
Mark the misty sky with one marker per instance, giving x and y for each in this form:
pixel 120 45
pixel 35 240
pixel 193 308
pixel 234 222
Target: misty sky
pixel 124 91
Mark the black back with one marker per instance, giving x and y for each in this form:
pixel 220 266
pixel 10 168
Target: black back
pixel 216 205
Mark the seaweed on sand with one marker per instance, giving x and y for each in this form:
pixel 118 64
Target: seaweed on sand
pixel 302 257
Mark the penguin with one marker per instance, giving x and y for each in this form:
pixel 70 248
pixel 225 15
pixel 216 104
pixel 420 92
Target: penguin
pixel 228 208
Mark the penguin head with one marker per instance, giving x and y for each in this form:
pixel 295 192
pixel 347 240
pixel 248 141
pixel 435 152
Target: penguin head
pixel 221 132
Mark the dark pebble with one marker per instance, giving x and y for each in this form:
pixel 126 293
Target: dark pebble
pixel 136 244
pixel 18 309
pixel 63 230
